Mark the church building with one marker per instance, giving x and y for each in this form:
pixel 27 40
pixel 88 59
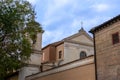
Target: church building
pixel 77 57
pixel 68 59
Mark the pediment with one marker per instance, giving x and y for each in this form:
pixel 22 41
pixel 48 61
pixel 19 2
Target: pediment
pixel 81 37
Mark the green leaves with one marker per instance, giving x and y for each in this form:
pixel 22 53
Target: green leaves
pixel 17 17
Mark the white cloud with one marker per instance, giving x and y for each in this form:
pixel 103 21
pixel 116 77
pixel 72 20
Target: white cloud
pixel 61 18
pixel 101 7
pixel 52 36
pixel 72 28
pixel 55 11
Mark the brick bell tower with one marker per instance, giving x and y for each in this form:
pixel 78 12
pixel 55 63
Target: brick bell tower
pixel 35 59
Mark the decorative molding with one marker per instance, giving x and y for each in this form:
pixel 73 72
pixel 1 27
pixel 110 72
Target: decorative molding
pixel 80 43
pixel 81 32
pixel 36 51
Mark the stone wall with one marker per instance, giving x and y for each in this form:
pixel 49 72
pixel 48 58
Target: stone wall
pixel 25 71
pixel 77 70
pixel 107 54
pixel 79 73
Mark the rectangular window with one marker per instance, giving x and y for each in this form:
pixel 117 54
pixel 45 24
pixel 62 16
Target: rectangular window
pixel 43 57
pixel 115 38
pixel 60 54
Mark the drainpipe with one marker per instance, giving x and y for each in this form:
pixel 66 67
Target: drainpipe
pixel 96 76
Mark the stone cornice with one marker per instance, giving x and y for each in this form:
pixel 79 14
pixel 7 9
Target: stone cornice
pixel 80 43
pixel 36 51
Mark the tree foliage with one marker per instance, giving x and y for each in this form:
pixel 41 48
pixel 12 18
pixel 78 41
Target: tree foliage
pixel 17 17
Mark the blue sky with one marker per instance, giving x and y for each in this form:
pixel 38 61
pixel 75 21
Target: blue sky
pixel 62 18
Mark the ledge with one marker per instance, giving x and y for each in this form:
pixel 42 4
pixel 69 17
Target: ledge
pixel 71 65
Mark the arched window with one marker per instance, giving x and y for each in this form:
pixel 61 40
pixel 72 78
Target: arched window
pixel 83 55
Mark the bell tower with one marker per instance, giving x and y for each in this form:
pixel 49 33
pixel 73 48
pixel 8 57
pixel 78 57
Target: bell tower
pixel 35 59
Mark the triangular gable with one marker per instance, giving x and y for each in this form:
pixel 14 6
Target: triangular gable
pixel 82 37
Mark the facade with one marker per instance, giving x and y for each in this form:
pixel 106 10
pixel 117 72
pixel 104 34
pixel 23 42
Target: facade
pixel 77 46
pixel 107 49
pixel 68 59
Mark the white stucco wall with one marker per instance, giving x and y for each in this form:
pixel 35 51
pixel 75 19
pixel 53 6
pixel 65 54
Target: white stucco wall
pixel 72 51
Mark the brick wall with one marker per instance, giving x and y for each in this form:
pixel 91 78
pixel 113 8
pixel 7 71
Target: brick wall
pixel 107 54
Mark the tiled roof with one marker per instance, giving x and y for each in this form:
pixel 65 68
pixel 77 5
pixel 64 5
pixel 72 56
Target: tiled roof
pixel 54 44
pixel 105 24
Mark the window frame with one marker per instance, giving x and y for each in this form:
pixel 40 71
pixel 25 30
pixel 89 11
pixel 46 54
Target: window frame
pixel 114 37
pixel 60 54
pixel 83 54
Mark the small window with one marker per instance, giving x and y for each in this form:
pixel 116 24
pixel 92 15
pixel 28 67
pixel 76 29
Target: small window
pixel 43 57
pixel 83 55
pixel 115 38
pixel 60 55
